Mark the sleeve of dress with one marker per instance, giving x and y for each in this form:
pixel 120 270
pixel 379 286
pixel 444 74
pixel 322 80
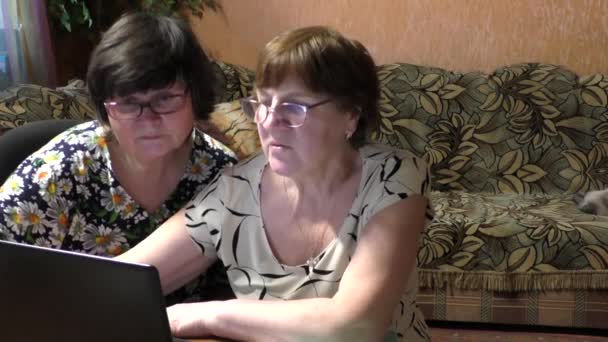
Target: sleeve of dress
pixel 203 218
pixel 400 175
pixel 34 208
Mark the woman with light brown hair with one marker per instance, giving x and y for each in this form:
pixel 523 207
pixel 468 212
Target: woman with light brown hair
pixel 318 233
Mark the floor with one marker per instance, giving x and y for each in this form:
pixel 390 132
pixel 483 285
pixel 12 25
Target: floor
pixel 474 335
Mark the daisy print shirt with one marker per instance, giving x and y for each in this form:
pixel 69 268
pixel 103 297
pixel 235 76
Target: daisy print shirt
pixel 226 223
pixel 66 195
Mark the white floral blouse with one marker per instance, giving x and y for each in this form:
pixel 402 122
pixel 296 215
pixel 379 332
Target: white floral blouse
pixel 66 195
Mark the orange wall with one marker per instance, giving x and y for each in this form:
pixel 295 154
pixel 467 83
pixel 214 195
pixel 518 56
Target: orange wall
pixel 462 35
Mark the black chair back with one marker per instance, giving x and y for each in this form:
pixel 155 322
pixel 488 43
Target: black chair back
pixel 20 142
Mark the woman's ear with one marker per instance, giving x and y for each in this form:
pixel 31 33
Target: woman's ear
pixel 353 121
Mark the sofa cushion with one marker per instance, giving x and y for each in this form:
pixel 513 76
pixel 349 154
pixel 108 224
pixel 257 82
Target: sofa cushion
pixel 231 126
pixel 528 128
pixel 233 81
pixel 513 242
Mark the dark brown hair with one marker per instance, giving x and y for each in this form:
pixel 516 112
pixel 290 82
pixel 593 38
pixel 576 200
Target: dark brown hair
pixel 141 52
pixel 327 63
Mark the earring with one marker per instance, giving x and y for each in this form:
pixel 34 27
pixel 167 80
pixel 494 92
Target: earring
pixel 348 135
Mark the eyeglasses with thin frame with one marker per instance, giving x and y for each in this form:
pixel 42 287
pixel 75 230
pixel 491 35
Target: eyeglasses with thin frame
pixel 161 105
pixel 291 114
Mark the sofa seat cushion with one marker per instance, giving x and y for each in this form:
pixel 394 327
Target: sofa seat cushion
pixel 513 242
pixel 559 308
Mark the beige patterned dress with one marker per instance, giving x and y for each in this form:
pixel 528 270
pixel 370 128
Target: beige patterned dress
pixel 225 221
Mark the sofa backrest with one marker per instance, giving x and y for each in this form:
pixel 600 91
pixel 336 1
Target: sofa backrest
pixel 24 103
pixel 28 102
pixel 528 128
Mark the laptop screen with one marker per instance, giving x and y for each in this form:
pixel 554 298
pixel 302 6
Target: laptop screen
pixel 53 295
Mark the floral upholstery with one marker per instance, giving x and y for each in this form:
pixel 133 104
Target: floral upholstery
pixel 27 102
pixel 513 242
pixel 506 151
pixel 234 82
pixel 529 128
pixel 233 128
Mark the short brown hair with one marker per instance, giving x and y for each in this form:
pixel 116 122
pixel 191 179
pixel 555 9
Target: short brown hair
pixel 141 52
pixel 327 63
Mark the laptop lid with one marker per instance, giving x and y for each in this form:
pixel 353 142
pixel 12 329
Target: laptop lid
pixel 53 295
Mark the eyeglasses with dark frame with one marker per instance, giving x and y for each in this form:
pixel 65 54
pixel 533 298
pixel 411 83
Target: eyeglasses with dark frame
pixel 161 105
pixel 292 114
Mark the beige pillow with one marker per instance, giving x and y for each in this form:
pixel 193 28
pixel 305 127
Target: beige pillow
pixel 229 124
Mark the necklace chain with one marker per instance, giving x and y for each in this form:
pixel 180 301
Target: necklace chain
pixel 316 247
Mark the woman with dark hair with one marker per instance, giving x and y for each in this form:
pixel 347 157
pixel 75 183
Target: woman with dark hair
pixel 318 233
pixel 103 186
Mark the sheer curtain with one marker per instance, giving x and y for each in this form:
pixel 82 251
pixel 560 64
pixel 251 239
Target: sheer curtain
pixel 26 54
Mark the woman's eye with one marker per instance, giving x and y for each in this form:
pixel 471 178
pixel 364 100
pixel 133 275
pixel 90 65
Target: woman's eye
pixel 127 103
pixel 164 98
pixel 127 107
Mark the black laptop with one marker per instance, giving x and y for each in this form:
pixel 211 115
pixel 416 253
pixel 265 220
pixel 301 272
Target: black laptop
pixel 53 295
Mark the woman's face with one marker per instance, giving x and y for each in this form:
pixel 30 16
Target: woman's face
pixel 292 150
pixel 151 135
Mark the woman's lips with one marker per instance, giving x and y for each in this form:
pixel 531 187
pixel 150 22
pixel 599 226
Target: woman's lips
pixel 150 137
pixel 278 146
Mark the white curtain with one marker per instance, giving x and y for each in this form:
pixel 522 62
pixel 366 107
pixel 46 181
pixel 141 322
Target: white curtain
pixel 26 54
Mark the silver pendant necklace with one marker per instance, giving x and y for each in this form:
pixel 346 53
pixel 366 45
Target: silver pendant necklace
pixel 311 265
pixel 313 259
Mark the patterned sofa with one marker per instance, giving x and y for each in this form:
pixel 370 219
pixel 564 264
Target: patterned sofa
pixel 507 150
